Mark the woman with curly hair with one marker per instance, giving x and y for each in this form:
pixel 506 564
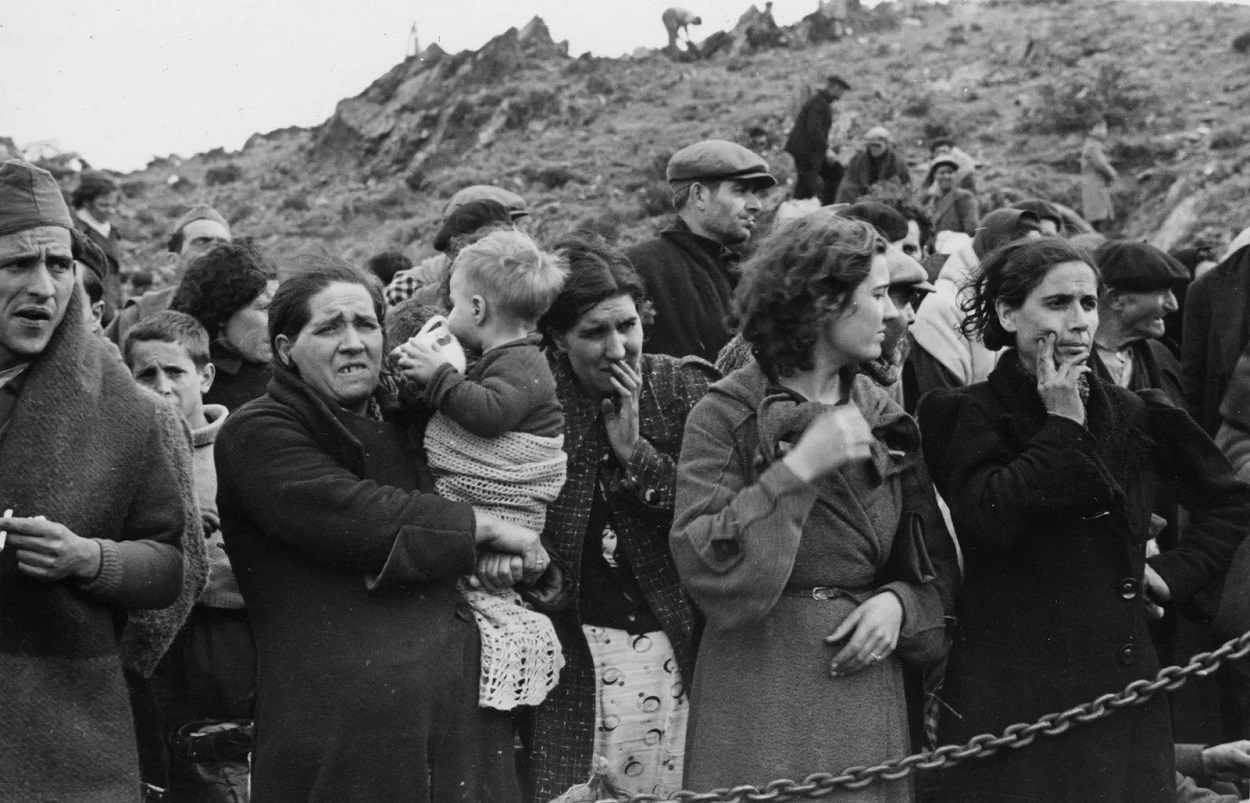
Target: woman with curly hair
pixel 806 529
pixel 228 291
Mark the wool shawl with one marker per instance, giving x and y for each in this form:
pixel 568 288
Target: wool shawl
pixel 88 448
pixel 640 499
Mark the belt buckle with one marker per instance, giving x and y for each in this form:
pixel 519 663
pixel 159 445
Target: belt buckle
pixel 824 593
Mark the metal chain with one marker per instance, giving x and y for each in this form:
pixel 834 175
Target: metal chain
pixel 823 784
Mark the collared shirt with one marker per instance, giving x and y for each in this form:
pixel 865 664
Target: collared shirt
pixel 105 229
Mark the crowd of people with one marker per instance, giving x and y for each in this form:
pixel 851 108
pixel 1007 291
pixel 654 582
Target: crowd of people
pixel 737 503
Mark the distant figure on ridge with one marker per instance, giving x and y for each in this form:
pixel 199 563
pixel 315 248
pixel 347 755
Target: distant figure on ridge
pixel 1097 176
pixel 678 19
pixel 817 172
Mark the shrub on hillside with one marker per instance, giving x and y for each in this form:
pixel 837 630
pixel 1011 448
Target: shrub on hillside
pixel 655 199
pixel 1071 102
pixel 1242 43
pixel 226 174
pixel 1228 137
pixel 553 177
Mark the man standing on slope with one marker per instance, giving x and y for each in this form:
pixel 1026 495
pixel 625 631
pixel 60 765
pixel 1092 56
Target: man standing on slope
pixel 817 172
pixel 689 270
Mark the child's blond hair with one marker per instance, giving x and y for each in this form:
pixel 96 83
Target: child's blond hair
pixel 512 272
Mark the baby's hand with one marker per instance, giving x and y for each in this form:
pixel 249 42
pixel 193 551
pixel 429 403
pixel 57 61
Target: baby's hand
pixel 417 361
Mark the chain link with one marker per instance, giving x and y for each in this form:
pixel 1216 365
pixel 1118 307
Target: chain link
pixel 822 784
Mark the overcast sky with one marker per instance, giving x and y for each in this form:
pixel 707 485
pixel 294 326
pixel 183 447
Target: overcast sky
pixel 121 81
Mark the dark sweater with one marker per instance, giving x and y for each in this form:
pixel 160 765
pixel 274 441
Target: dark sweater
pixel 690 280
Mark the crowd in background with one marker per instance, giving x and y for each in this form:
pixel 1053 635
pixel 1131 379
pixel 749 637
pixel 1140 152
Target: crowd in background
pixel 763 496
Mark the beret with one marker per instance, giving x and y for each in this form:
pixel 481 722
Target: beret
pixel 199 212
pixel 905 270
pixel 1001 227
pixel 514 203
pixel 469 218
pixel 1136 267
pixel 720 160
pixel 890 222
pixel 29 198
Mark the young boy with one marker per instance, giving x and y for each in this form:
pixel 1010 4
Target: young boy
pixel 497 438
pixel 209 671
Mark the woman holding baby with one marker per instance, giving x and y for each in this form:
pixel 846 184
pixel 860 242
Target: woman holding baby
pixel 368 657
pixel 806 528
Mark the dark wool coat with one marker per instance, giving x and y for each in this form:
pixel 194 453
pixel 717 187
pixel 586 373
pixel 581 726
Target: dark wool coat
pixel 1053 518
pixel 1217 329
pixel 368 660
pixel 957 210
pixel 1154 366
pixel 690 280
pixel 809 139
pixel 752 542
pixel 864 171
pixel 89 449
pixel 237 381
pixel 640 497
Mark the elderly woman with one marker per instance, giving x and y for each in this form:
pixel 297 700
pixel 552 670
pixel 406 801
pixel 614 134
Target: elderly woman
pixel 1050 474
pixel 629 636
pixel 368 658
pixel 951 207
pixel 228 290
pixel 806 528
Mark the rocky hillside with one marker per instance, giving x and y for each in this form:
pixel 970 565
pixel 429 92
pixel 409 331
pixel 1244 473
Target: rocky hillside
pixel 585 139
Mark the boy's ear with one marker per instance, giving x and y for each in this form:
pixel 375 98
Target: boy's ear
pixel 479 310
pixel 207 374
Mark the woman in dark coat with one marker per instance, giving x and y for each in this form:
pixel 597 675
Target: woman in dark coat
pixel 624 416
pixel 952 208
pixel 368 658
pixel 228 290
pixel 1050 475
pixel 803 510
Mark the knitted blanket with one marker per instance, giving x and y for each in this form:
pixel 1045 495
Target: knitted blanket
pixel 514 476
pixel 89 449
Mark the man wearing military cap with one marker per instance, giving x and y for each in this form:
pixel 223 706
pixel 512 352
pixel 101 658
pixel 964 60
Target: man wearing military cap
pixel 98 502
pixel 690 270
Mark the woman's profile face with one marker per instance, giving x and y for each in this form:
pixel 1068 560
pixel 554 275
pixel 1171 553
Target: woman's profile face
pixel 607 333
pixel 247 330
pixel 855 333
pixel 339 350
pixel 1064 305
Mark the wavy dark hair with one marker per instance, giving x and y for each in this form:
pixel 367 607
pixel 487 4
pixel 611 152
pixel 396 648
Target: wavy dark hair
pixel 1008 275
pixel 289 312
pixel 597 272
pixel 221 282
pixel 801 274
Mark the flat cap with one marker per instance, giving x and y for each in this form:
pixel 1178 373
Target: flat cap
pixel 1136 267
pixel 514 203
pixel 1003 226
pixel 904 270
pixel 890 222
pixel 720 160
pixel 837 80
pixel 30 198
pixel 199 212
pixel 469 218
pixel 878 132
pixel 1043 210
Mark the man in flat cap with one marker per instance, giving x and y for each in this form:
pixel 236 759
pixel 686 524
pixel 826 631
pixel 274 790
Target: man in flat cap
pixel 1138 283
pixel 466 212
pixel 877 163
pixel 97 497
pixel 817 171
pixel 195 233
pixel 690 270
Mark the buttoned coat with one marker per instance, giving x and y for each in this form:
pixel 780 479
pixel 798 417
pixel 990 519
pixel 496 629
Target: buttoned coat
pixel 1053 518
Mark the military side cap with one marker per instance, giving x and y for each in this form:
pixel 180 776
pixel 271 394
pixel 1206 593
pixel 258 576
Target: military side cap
pixel 30 198
pixel 717 160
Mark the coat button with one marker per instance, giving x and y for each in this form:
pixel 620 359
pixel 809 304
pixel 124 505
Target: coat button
pixel 1127 654
pixel 1128 588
